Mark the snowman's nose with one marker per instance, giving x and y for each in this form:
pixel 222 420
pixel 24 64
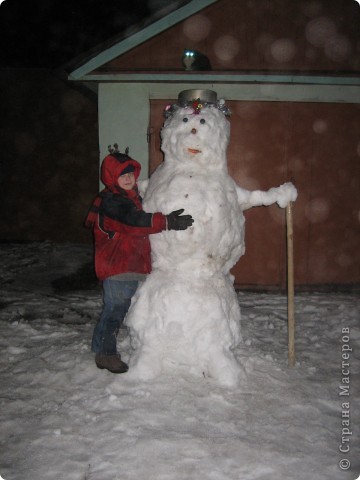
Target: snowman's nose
pixel 193 130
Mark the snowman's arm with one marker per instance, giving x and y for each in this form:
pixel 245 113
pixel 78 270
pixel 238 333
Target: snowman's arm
pixel 281 195
pixel 143 184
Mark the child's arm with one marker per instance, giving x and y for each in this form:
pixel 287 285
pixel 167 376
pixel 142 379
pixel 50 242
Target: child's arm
pixel 121 215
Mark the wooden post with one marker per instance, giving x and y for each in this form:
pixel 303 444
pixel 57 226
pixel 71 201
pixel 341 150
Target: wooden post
pixel 290 285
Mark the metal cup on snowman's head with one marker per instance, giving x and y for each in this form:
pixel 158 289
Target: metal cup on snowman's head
pixel 197 99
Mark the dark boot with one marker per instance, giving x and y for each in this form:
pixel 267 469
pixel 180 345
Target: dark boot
pixel 113 363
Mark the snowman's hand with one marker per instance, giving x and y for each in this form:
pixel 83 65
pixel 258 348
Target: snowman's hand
pixel 284 194
pixel 176 221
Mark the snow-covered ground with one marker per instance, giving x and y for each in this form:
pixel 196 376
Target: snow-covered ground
pixel 63 419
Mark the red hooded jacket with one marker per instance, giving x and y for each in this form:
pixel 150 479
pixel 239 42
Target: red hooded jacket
pixel 121 228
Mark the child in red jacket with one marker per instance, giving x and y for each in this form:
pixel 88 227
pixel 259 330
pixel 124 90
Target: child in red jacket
pixel 122 249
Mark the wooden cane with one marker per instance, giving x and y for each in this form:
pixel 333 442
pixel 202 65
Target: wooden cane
pixel 290 285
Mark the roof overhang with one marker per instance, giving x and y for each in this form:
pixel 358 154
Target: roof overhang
pixel 225 78
pixel 137 38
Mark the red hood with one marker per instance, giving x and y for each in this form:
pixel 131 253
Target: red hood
pixel 113 165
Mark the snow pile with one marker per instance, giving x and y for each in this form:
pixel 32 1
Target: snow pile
pixel 186 316
pixel 63 419
pixel 192 329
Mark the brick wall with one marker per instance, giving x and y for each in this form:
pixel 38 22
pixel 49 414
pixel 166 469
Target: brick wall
pixel 49 157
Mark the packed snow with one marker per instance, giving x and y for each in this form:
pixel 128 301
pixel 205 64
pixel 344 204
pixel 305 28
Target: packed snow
pixel 64 419
pixel 185 316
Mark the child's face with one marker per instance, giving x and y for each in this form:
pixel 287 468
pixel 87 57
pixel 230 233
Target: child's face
pixel 127 181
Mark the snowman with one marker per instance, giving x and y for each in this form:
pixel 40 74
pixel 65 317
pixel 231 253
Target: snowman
pixel 185 318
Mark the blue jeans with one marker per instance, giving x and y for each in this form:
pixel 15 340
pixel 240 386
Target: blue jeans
pixel 117 296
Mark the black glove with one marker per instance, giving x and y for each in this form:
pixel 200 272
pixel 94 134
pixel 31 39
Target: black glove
pixel 176 221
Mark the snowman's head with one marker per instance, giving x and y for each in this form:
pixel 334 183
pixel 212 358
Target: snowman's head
pixel 196 136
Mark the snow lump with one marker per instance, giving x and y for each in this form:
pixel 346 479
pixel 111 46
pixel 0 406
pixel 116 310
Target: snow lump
pixel 185 318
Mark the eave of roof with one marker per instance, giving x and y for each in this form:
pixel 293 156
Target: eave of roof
pixel 138 37
pixel 228 77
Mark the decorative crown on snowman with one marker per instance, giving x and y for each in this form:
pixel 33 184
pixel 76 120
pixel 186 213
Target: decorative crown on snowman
pixel 185 318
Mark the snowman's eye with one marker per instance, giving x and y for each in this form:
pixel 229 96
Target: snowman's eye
pixel 202 120
pixel 185 119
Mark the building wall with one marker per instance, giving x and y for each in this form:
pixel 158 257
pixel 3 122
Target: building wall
pixel 124 108
pixel 255 35
pixel 291 68
pixel 124 111
pixel 49 157
pixel 317 147
pixel 274 139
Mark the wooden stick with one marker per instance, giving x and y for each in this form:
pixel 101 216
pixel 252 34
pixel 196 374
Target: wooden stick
pixel 290 285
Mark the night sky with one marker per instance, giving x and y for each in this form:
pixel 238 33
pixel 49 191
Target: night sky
pixel 49 33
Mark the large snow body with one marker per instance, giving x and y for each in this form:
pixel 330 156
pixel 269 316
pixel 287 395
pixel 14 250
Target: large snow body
pixel 194 177
pixel 186 314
